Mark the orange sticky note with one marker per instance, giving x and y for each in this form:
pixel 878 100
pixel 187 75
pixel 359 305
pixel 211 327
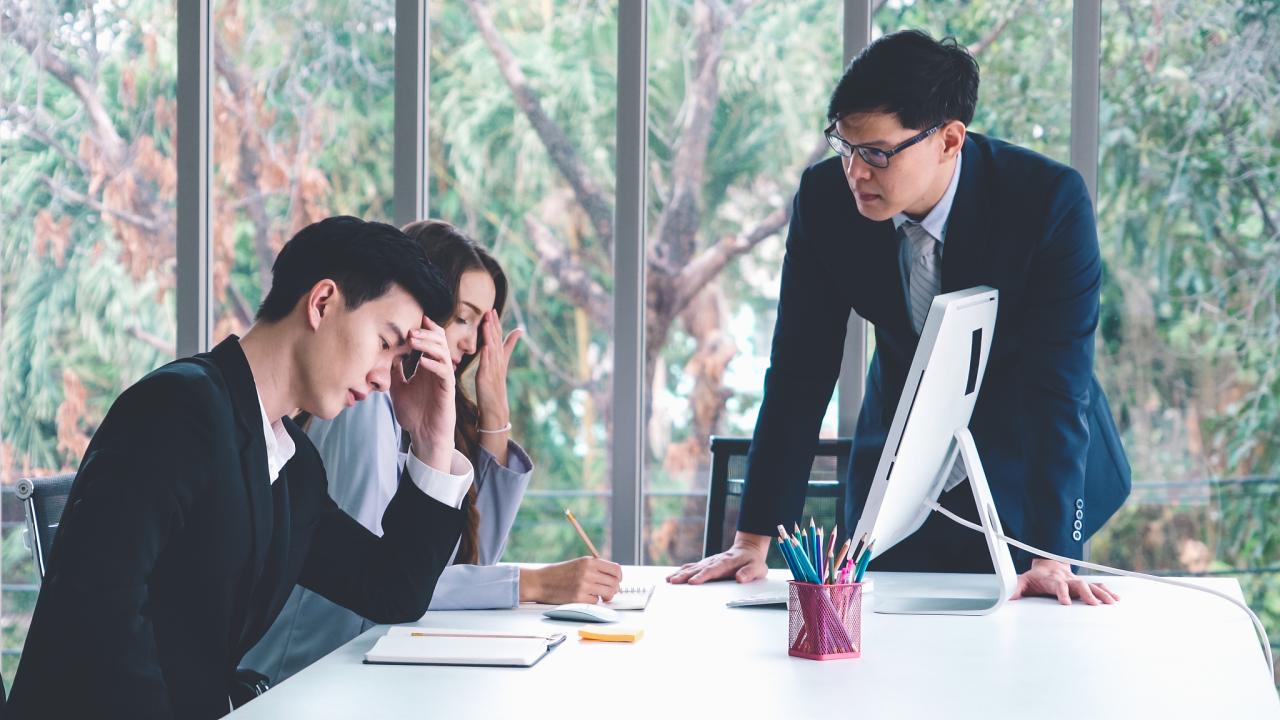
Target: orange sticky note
pixel 611 634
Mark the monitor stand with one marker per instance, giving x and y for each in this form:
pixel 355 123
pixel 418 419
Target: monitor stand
pixel 1006 578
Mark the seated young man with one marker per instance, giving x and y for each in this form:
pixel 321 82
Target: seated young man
pixel 199 504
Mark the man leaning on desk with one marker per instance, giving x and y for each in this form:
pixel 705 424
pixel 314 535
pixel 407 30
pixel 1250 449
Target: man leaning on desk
pixel 199 504
pixel 916 206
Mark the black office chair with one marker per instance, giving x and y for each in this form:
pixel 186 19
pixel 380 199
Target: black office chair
pixel 43 500
pixel 728 467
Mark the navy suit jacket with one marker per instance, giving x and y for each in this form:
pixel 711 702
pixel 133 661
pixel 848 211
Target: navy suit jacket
pixel 175 552
pixel 1020 223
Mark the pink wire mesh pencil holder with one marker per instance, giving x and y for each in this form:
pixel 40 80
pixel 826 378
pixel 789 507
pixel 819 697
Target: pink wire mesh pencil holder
pixel 825 621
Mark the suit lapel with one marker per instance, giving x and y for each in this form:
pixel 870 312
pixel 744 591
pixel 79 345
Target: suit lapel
pixel 967 226
pixel 264 600
pixel 253 448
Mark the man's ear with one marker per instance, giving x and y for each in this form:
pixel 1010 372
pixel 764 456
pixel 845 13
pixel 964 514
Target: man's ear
pixel 321 301
pixel 953 134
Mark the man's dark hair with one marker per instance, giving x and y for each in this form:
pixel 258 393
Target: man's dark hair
pixel 362 258
pixel 909 74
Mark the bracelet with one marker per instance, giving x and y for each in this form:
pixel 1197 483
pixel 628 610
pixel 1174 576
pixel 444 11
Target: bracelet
pixel 504 428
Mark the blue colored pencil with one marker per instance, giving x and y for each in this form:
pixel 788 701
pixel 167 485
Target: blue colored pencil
pixel 864 562
pixel 810 574
pixel 786 555
pixel 813 543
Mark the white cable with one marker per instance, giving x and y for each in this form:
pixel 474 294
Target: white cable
pixel 1257 624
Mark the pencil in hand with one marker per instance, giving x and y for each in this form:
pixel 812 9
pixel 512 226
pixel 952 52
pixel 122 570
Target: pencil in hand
pixel 582 534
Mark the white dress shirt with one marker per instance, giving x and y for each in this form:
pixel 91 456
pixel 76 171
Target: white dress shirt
pixel 935 223
pixel 447 487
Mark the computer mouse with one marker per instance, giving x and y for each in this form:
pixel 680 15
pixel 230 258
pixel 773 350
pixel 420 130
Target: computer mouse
pixel 583 612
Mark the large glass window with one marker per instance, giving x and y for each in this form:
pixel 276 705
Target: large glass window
pixel 1187 219
pixel 87 198
pixel 522 134
pixel 303 128
pixel 737 102
pixel 1024 52
pixel 522 126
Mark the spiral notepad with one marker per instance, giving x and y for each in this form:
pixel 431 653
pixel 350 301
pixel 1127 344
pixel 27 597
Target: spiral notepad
pixel 631 597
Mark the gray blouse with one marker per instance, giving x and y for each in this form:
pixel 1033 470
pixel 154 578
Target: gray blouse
pixel 360 449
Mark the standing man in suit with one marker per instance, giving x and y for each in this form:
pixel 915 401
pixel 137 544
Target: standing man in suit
pixel 915 205
pixel 200 504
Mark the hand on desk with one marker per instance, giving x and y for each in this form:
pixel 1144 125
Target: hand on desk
pixel 745 561
pixel 582 580
pixel 1054 579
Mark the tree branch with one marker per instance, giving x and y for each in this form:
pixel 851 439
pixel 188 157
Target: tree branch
pixel 112 145
pixel 572 278
pixel 240 305
pixel 148 224
pixel 710 262
pixel 34 129
pixel 548 363
pixel 154 341
pixel 677 228
pixel 1268 224
pixel 250 162
pixel 982 44
pixel 587 191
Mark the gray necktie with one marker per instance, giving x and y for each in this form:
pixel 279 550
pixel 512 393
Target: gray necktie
pixel 924 283
pixel 925 273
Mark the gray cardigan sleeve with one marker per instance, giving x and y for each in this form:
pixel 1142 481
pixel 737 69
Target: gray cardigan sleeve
pixel 489 585
pixel 498 496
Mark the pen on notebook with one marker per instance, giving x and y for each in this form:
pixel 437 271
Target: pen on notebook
pixel 574 521
pixel 429 633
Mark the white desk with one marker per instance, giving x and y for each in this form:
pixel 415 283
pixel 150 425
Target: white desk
pixel 1162 652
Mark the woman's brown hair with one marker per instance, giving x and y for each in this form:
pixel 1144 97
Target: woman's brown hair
pixel 454 254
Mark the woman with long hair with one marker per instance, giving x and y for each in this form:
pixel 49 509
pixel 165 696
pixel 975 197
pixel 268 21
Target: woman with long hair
pixel 363 482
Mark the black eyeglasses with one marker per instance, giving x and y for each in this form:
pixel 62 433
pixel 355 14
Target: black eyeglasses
pixel 874 156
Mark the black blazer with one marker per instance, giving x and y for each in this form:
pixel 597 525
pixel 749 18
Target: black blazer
pixel 175 553
pixel 1020 223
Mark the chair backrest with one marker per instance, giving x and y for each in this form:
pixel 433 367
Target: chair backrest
pixel 728 466
pixel 44 499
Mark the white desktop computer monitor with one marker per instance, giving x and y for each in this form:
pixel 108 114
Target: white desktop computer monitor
pixel 928 435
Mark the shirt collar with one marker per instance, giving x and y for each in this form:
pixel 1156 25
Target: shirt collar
pixel 280 447
pixel 935 223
